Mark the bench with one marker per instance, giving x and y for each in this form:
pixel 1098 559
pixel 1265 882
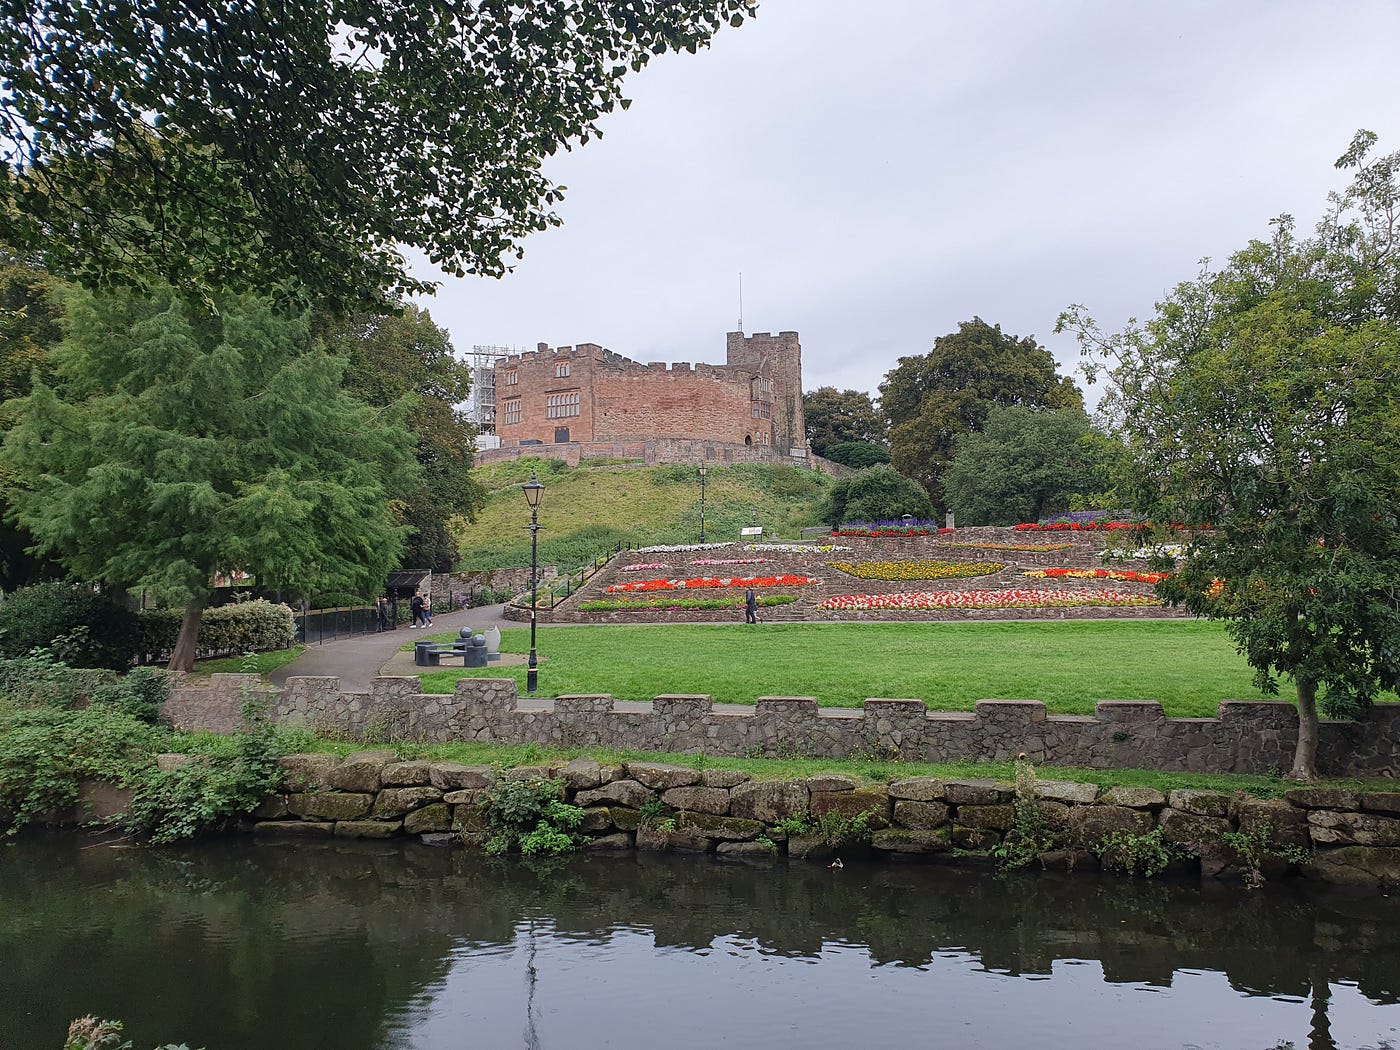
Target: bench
pixel 470 647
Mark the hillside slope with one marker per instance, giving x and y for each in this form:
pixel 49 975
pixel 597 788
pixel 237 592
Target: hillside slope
pixel 587 509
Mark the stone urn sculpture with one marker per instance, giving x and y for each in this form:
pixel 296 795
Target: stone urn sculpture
pixel 493 640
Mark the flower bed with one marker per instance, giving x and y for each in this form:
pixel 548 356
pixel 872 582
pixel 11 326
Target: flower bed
pixel 683 548
pixel 795 548
pixel 650 566
pixel 654 604
pixel 1001 599
pixel 916 570
pixel 880 533
pixel 1126 575
pixel 1029 548
pixel 702 582
pixel 1085 526
pixel 726 561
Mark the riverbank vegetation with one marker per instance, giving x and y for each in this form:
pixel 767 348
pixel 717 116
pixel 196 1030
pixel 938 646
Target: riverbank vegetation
pixel 1188 666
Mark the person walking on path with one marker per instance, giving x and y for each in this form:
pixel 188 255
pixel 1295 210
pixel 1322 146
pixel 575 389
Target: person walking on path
pixel 381 611
pixel 750 606
pixel 427 610
pixel 415 606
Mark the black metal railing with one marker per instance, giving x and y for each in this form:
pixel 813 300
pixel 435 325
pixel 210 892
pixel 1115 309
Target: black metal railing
pixel 561 588
pixel 315 626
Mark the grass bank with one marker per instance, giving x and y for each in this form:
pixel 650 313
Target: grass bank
pixel 1189 666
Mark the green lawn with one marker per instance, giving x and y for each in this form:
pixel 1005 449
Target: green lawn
pixel 1189 666
pixel 251 663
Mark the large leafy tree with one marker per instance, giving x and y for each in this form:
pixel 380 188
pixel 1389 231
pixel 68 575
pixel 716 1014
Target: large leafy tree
pixel 389 355
pixel 227 146
pixel 1259 408
pixel 1026 463
pixel 174 444
pixel 878 493
pixel 933 400
pixel 836 417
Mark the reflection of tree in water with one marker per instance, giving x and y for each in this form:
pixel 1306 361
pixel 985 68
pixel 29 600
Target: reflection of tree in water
pixel 286 927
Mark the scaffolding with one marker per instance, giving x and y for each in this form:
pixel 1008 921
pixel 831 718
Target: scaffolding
pixel 481 406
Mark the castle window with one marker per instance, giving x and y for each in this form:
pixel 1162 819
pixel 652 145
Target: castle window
pixel 510 410
pixel 561 406
pixel 760 389
pixel 561 371
pixel 762 410
pixel 512 377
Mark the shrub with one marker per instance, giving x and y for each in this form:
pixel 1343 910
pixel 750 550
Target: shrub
pixel 247 627
pixel 41 681
pixel 79 626
pixel 857 454
pixel 875 494
pixel 529 815
pixel 140 693
pixel 1146 855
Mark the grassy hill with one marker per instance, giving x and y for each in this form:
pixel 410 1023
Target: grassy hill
pixel 587 509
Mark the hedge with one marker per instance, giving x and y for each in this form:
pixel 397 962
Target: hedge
pixel 247 627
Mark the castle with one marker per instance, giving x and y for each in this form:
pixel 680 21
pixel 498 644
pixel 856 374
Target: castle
pixel 587 402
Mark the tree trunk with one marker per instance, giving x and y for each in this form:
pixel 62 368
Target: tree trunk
pixel 1305 757
pixel 182 659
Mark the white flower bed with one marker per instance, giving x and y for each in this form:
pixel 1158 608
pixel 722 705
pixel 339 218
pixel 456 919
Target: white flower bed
pixel 683 548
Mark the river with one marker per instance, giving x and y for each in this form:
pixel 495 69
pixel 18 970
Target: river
pixel 245 945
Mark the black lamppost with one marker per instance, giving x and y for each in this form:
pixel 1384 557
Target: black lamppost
pixel 533 491
pixel 702 503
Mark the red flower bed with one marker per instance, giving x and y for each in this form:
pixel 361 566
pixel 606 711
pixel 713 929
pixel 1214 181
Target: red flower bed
pixel 1002 599
pixel 702 582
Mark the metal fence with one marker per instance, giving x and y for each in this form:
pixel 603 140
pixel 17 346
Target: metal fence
pixel 315 626
pixel 561 587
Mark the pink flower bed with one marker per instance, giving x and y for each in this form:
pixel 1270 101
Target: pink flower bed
pixel 728 561
pixel 648 567
pixel 1000 599
pixel 702 582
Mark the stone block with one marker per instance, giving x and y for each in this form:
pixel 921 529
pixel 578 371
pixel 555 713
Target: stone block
pixel 395 802
pixel 101 802
pixel 530 773
pixel 1356 866
pixel 358 774
pixel 810 847
pixel 662 777
pixel 367 829
pixel 469 820
pixel 698 799
pixel 621 792
pixel 974 838
pixel 996 818
pixel 979 792
pixel 1193 829
pixel 301 773
pixel 721 829
pixel 1201 803
pixel 746 850
pixel 723 778
pixel 466 797
pixel 595 820
pixel 582 774
pixel 1067 791
pixel 1288 825
pixel 874 802
pixel 1088 825
pixel 1345 828
pixel 1387 802
pixel 769 800
pixel 1324 798
pixel 274 807
pixel 826 782
pixel 330 805
pixel 303 828
pixel 617 841
pixel 434 818
pixel 406 774
pixel 625 819
pixel 1134 798
pixel 167 762
pixel 918 789
pixel 453 776
pixel 904 840
pixel 920 816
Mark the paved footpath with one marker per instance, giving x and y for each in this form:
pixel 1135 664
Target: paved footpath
pixel 357 661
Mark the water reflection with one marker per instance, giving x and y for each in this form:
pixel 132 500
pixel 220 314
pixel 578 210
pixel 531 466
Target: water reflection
pixel 242 944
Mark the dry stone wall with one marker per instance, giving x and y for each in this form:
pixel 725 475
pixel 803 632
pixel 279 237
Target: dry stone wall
pixel 1247 737
pixel 1336 836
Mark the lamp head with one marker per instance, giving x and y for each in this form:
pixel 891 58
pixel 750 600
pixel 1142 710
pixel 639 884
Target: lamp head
pixel 533 491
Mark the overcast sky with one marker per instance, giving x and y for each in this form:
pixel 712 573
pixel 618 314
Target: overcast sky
pixel 880 171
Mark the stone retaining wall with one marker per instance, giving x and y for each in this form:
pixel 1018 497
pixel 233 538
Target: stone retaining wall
pixel 1254 737
pixel 1347 836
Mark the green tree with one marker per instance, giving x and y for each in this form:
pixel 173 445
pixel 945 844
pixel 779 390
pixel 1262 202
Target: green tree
pixel 837 416
pixel 857 454
pixel 174 444
pixel 1258 406
pixel 276 147
pixel 1024 464
pixel 392 354
pixel 933 400
pixel 877 494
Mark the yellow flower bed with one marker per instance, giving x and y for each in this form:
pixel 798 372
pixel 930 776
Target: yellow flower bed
pixel 916 570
